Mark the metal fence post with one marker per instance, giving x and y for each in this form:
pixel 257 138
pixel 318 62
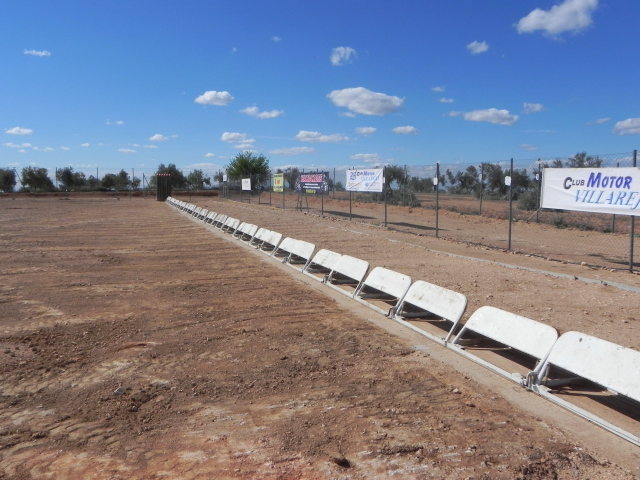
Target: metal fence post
pixel 613 217
pixel 538 192
pixel 510 203
pixel 385 196
pixel 632 221
pixel 437 185
pixel 481 186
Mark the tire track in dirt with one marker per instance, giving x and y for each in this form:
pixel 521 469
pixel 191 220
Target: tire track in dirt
pixel 215 363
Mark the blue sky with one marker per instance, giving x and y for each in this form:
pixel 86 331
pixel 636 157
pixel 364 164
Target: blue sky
pixel 113 85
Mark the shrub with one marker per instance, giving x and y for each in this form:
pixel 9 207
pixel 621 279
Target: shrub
pixel 559 222
pixel 528 200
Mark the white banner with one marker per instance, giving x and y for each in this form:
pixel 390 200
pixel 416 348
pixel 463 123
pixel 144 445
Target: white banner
pixel 246 184
pixel 370 180
pixel 599 190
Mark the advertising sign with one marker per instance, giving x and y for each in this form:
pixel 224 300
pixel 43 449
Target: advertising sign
pixel 599 190
pixel 278 182
pixel 370 180
pixel 246 184
pixel 314 183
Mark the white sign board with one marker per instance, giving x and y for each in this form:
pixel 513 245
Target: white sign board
pixel 599 190
pixel 246 184
pixel 370 180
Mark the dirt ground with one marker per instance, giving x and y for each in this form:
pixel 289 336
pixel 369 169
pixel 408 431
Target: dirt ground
pixel 137 343
pixel 580 240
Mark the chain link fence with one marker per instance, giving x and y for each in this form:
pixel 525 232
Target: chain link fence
pixel 467 202
pixel 472 203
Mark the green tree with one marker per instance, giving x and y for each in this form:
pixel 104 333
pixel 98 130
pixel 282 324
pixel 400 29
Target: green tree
pixel 421 185
pixel 582 160
pixel 218 177
pixel 122 180
pixel 394 174
pixel 37 179
pixel 521 179
pixel 291 175
pixel 178 179
pixel 464 182
pixel 69 179
pixel 109 181
pixel 557 163
pixel 93 183
pixel 494 176
pixel 335 186
pixel 197 180
pixel 246 164
pixel 7 179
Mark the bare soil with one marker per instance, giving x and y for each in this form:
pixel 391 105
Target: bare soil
pixel 597 240
pixel 137 343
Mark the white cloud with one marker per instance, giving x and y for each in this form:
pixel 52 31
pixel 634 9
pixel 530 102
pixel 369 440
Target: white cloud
pixel 150 146
pixel 342 55
pixel 19 131
pixel 276 39
pixel 405 130
pixel 366 130
pixel 13 145
pixel 476 47
pixel 214 98
pixel 627 127
pixel 569 16
pixel 45 149
pixel 438 89
pixel 491 115
pixel 446 100
pixel 529 148
pixel 37 53
pixel 210 155
pixel 599 121
pixel 347 114
pixel 246 147
pixel 317 137
pixel 454 113
pixel 236 138
pixel 366 157
pixel 66 149
pixel 126 150
pixel 158 138
pixel 84 144
pixel 366 102
pixel 256 113
pixel 532 108
pixel 117 122
pixel 292 151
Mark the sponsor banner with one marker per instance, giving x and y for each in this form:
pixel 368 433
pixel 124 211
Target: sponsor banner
pixel 278 182
pixel 313 183
pixel 370 180
pixel 246 184
pixel 599 190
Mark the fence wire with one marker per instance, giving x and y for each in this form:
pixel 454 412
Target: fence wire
pixel 472 204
